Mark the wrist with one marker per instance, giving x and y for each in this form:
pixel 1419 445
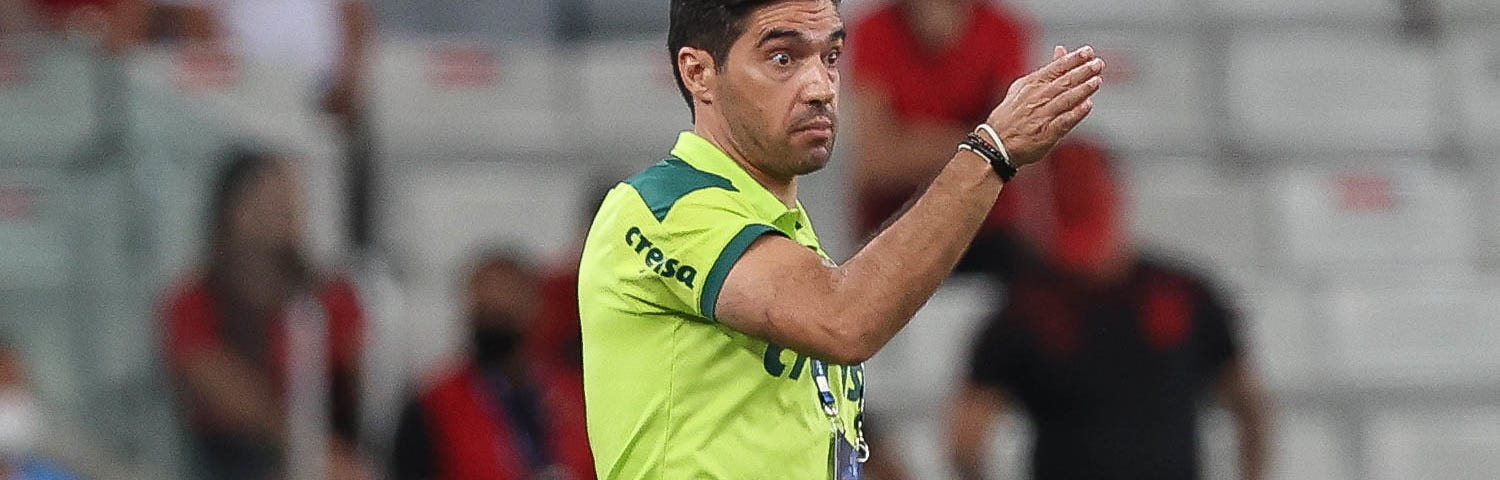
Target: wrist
pixel 990 154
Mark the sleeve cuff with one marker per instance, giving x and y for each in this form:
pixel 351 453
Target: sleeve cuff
pixel 727 258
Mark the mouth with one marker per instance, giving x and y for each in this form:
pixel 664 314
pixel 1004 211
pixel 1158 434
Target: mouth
pixel 819 127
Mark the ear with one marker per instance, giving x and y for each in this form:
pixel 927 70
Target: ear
pixel 699 73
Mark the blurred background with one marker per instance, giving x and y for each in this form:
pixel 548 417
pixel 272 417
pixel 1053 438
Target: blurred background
pixel 1331 167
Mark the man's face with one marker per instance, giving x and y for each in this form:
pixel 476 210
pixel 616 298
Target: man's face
pixel 779 87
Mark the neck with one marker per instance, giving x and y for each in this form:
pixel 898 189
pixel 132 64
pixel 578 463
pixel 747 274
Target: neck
pixel 784 187
pixel 938 24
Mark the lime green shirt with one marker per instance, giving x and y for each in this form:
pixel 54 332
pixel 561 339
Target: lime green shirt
pixel 670 392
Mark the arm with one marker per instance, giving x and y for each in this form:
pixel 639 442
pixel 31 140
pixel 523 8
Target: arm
pixel 1240 392
pixel 893 154
pixel 782 292
pixel 972 413
pixel 346 92
pixel 233 393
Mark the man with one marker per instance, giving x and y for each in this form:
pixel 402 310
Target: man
pixel 925 72
pixel 719 339
pixel 1108 352
pixel 233 330
pixel 504 414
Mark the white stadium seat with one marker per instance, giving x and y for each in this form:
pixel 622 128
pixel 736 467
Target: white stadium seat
pixel 1061 14
pixel 630 99
pixel 1474 52
pixel 433 94
pixel 33 217
pixel 48 96
pixel 1306 445
pixel 1451 444
pixel 1414 330
pixel 1193 207
pixel 1371 211
pixel 1344 12
pixel 1154 97
pixel 1322 91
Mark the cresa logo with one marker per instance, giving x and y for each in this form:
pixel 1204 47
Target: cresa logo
pixel 657 260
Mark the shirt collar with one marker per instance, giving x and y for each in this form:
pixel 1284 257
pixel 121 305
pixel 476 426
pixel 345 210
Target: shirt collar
pixel 704 155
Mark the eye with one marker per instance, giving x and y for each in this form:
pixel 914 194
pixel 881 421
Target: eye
pixel 781 58
pixel 833 57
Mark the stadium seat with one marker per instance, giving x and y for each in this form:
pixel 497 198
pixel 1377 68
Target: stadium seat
pixel 433 94
pixel 508 20
pixel 919 368
pixel 1154 97
pixel 1407 329
pixel 1474 52
pixel 630 100
pixel 1448 443
pixel 1368 211
pixel 48 94
pixel 1101 12
pixel 1193 208
pixel 1280 331
pixel 1339 12
pixel 1308 444
pixel 1469 11
pixel 33 216
pixel 1331 91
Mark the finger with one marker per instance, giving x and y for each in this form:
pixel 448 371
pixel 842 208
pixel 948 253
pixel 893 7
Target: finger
pixel 1061 66
pixel 1073 97
pixel 1058 52
pixel 1076 76
pixel 1064 123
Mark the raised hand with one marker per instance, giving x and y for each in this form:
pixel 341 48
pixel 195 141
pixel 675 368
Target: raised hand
pixel 1042 107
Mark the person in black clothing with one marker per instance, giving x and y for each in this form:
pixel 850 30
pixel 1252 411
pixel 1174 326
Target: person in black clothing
pixel 1109 352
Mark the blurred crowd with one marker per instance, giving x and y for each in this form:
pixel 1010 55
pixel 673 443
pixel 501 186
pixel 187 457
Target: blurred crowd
pixel 1108 351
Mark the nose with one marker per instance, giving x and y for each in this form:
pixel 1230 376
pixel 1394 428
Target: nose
pixel 822 85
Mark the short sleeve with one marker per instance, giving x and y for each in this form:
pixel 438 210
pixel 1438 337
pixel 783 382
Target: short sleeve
pixel 345 321
pixel 1219 324
pixel 996 358
pixel 695 246
pixel 190 324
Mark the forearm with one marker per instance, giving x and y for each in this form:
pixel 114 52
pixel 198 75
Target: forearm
pixel 1253 455
pixel 233 394
pixel 904 155
pixel 357 32
pixel 887 281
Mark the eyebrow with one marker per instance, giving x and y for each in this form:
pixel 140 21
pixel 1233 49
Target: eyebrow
pixel 780 33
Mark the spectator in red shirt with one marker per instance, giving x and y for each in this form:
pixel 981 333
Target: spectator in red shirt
pixel 505 413
pixel 228 331
pixel 924 70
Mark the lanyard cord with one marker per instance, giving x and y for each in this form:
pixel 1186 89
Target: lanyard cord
pixel 831 407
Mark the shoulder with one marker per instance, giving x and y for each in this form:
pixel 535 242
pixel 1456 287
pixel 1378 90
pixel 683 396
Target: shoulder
pixel 1184 272
pixel 188 298
pixel 672 185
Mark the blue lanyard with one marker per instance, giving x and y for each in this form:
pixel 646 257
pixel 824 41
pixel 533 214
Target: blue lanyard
pixel 831 407
pixel 825 391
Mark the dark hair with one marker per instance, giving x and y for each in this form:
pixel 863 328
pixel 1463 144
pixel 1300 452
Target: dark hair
pixel 242 164
pixel 711 25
